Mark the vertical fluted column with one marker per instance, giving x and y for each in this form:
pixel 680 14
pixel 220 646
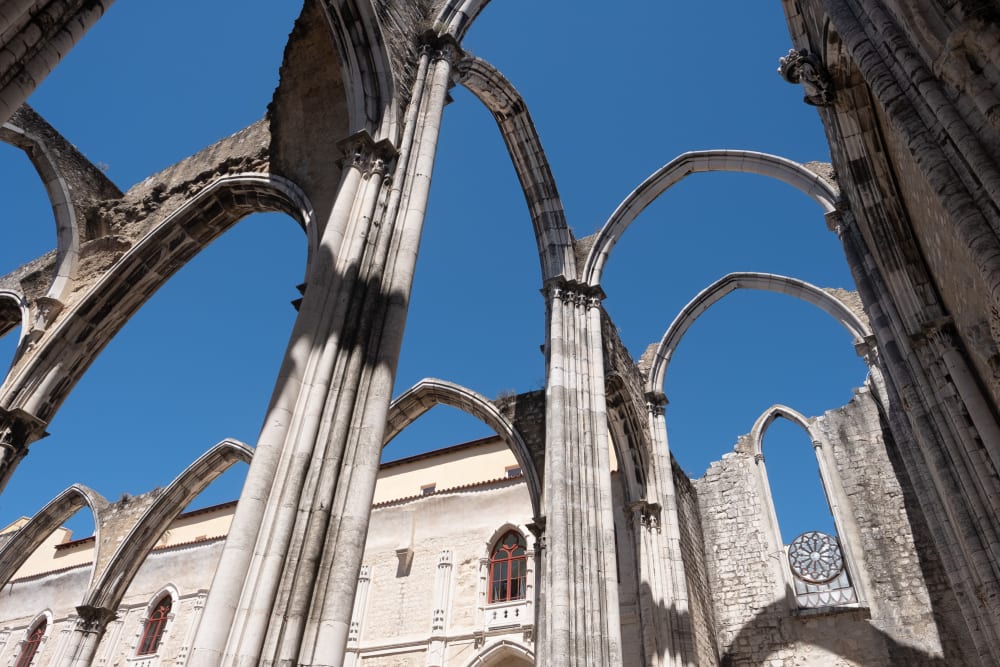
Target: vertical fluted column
pixel 943 456
pixel 86 636
pixel 581 623
pixel 287 587
pixel 662 579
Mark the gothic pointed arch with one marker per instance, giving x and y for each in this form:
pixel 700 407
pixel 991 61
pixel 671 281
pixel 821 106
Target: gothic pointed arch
pixel 14 312
pixel 553 236
pixel 708 297
pixel 121 568
pixel 457 16
pixel 672 173
pixel 156 621
pixel 32 534
pixel 852 580
pixel 42 380
pixel 71 182
pixel 429 392
pixel 503 653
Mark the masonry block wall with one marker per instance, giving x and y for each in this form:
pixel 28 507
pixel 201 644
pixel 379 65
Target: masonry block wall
pixel 758 620
pixel 700 604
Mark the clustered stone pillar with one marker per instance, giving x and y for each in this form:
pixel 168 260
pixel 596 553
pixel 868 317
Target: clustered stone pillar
pixel 580 625
pixel 36 35
pixel 86 636
pixel 663 596
pixel 284 591
pixel 937 441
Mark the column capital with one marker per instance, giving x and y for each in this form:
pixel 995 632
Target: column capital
pixel 362 151
pixel 656 403
pixel 647 512
pixel 440 46
pixel 93 619
pixel 18 429
pixel 573 292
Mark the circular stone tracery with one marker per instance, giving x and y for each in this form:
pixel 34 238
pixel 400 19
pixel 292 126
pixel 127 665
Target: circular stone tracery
pixel 815 557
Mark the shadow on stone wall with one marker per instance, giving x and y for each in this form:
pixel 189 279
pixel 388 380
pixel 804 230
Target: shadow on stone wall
pixel 845 633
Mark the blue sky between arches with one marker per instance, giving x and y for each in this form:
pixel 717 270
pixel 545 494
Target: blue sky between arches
pixel 614 97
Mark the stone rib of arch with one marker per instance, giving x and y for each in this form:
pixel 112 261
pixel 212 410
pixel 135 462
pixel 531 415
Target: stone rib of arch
pixel 457 16
pixel 672 173
pixel 67 229
pixel 729 283
pixel 767 418
pixel 115 578
pixel 31 535
pixel 13 312
pixel 552 234
pixel 91 324
pixel 429 392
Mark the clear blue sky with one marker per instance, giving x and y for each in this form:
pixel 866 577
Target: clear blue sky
pixel 613 98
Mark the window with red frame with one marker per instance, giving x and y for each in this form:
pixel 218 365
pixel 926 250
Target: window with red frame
pixel 508 568
pixel 31 644
pixel 152 632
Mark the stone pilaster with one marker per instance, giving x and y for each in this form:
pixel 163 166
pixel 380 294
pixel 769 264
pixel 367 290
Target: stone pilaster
pixel 581 624
pixel 357 616
pixel 439 616
pixel 663 597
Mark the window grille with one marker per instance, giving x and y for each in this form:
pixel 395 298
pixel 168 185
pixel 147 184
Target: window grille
pixel 31 644
pixel 156 624
pixel 508 569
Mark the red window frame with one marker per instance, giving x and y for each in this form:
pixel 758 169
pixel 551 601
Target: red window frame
pixel 31 644
pixel 156 624
pixel 508 568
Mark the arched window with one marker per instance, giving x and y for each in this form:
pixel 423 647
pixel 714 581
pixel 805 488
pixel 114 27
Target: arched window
pixel 508 568
pixel 152 632
pixel 31 644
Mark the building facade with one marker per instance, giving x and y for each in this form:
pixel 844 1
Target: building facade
pixel 638 566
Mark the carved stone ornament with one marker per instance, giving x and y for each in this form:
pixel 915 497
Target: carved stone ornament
pixel 803 66
pixel 815 557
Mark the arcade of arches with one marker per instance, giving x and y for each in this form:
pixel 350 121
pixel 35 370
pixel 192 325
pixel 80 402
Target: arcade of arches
pixel 580 540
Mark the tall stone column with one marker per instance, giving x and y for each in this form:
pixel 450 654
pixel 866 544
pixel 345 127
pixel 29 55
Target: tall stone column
pixel 581 625
pixel 87 634
pixel 286 580
pixel 663 596
pixel 937 441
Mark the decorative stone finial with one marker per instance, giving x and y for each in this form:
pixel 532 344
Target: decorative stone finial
pixel 805 67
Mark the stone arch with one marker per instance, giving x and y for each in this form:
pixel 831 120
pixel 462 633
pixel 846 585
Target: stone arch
pixel 429 392
pixel 121 568
pixel 629 431
pixel 457 16
pixel 672 173
pixel 553 236
pixel 30 537
pixel 14 312
pixel 843 518
pixel 770 282
pixel 502 654
pixel 67 225
pixel 40 383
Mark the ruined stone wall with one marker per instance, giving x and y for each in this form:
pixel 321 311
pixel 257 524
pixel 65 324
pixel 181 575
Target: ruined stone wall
pixel 897 621
pixel 700 605
pixel 908 593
